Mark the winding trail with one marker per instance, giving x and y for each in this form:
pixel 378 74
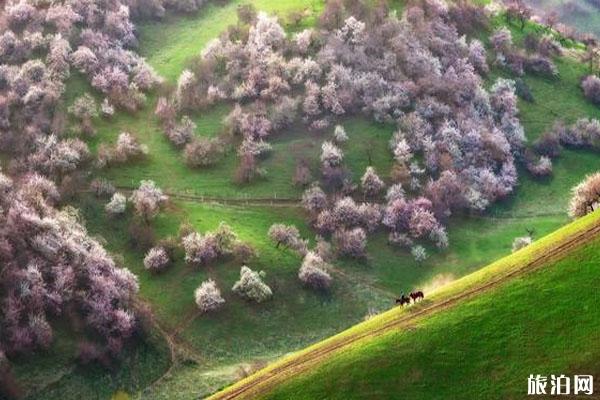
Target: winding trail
pixel 174 343
pixel 260 383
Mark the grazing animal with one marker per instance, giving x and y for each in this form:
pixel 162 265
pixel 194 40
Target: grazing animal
pixel 417 295
pixel 402 300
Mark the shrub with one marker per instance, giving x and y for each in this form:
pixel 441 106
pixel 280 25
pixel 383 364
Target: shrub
pixel 117 205
pixel 501 39
pixel 170 244
pixel 141 236
pixel 201 152
pixel 247 169
pixel 478 56
pixel 540 65
pixel 288 236
pixel 548 145
pixel 591 88
pixel 182 133
pixel 156 260
pixel 313 272
pixel 107 108
pixel 419 253
pixel 370 216
pixel 395 192
pixel 243 252
pixel 165 111
pixel 185 95
pixel 225 238
pixel 128 148
pixel 521 242
pixel 339 134
pixel 147 200
pixel 331 155
pixel 346 213
pixel 314 200
pixel 250 286
pixel 200 250
pixel 585 197
pixel 88 352
pixel 352 242
pixel 208 297
pixel 302 175
pixel 467 17
pixel 371 184
pixel 246 13
pixel 101 187
pixel 84 107
pixel 541 168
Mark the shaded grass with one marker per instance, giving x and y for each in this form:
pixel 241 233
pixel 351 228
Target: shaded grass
pixel 54 373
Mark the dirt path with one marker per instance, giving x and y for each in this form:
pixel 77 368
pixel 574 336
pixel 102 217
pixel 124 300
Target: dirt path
pixel 260 384
pixel 240 201
pixel 176 344
pixel 297 202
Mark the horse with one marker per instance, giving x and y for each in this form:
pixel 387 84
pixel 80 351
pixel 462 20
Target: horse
pixel 402 300
pixel 417 295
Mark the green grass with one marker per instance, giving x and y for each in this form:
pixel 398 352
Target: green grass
pixel 166 166
pixel 54 374
pixel 168 45
pixel 545 322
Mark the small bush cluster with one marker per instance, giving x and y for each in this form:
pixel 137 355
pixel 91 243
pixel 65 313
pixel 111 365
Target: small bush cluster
pixel 288 236
pixel 251 287
pixel 147 200
pixel 126 149
pixel 208 297
pixel 117 205
pixel 591 88
pixel 157 259
pixel 313 272
pixel 521 242
pixel 519 62
pixel 201 250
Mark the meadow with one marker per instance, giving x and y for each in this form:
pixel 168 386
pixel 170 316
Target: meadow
pixel 214 350
pixel 490 343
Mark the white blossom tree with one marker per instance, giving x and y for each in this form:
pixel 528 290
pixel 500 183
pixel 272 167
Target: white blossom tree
pixel 208 297
pixel 250 286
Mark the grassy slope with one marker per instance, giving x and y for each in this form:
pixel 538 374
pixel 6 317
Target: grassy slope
pixel 491 341
pixel 583 16
pixel 54 374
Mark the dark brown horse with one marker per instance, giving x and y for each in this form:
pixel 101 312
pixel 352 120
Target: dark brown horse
pixel 402 300
pixel 417 295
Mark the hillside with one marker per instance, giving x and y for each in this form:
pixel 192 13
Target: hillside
pixel 581 16
pixel 491 329
pixel 178 351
